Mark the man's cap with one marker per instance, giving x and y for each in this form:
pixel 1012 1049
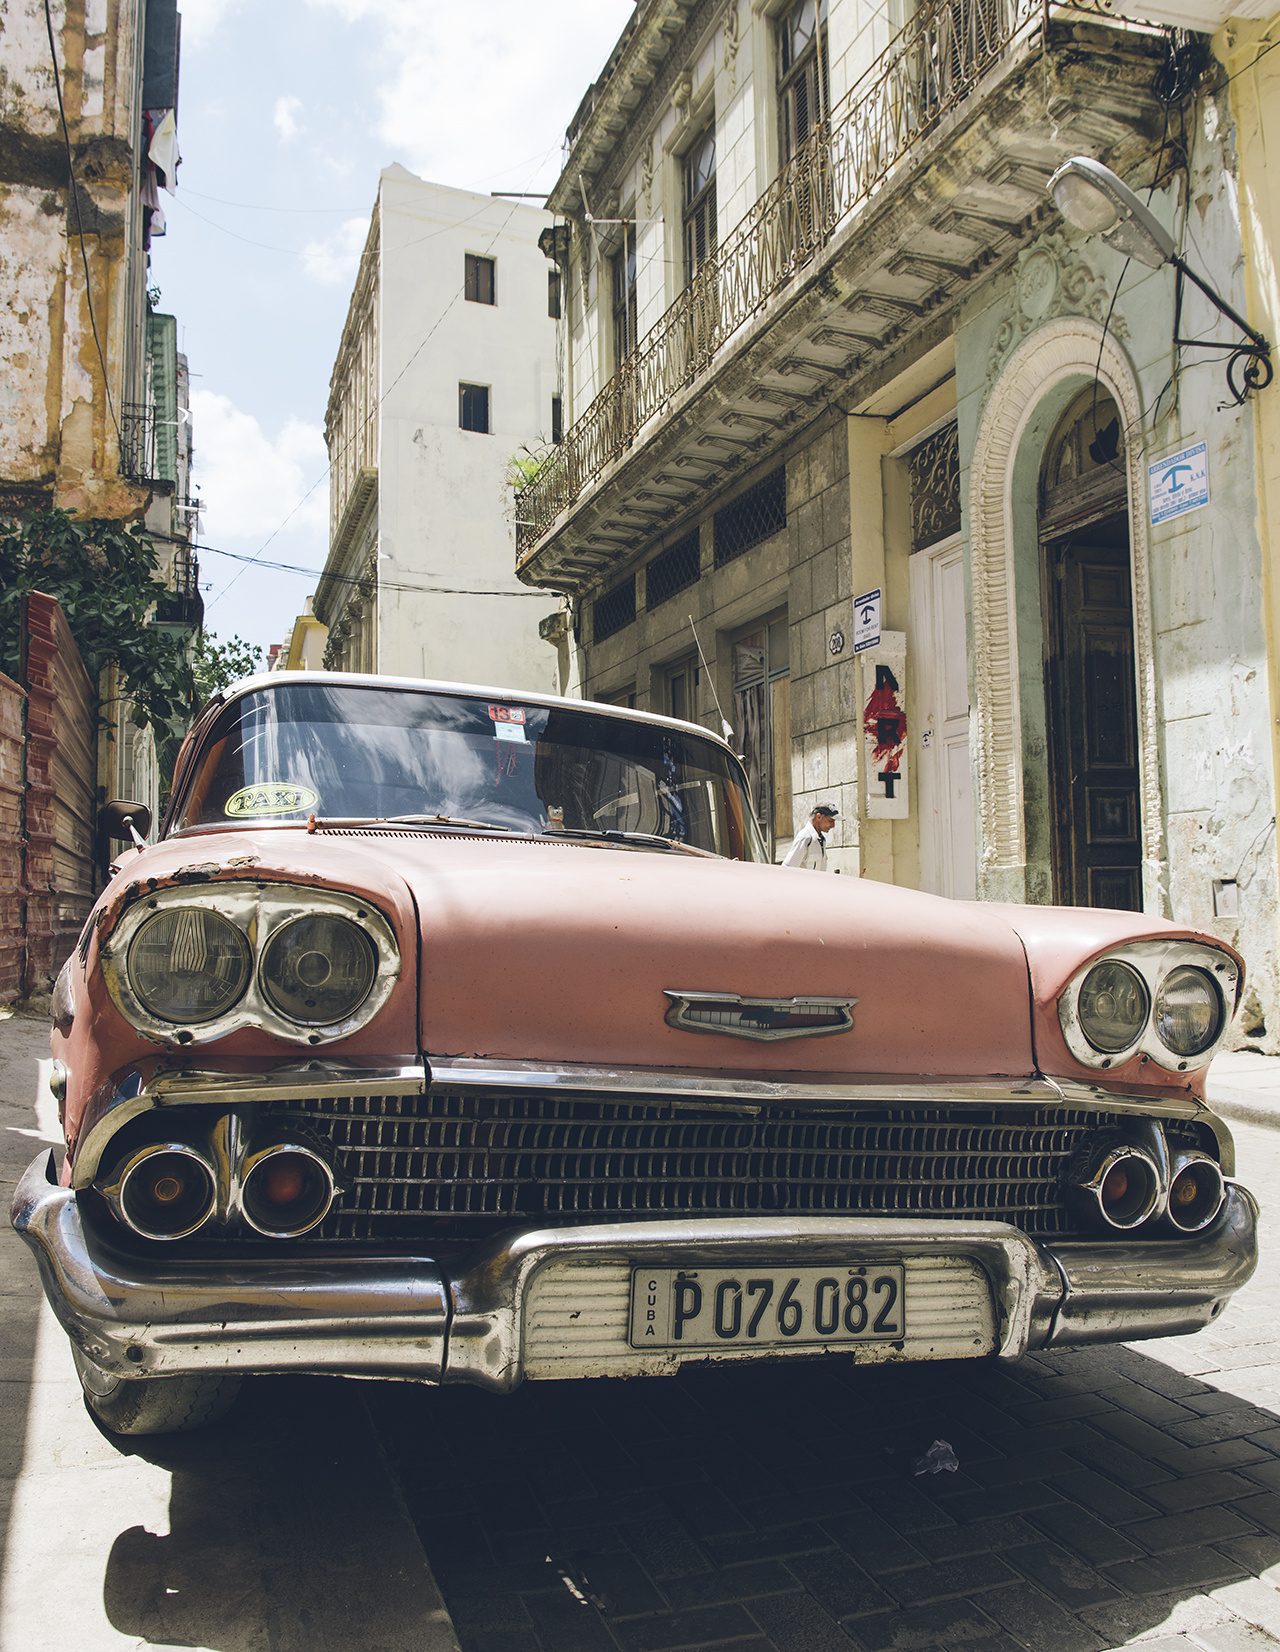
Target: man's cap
pixel 824 809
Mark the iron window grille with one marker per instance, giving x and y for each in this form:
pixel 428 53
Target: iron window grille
pixel 934 466
pixel 138 441
pixel 757 515
pixel 701 233
pixel 479 280
pixel 675 570
pixel 614 611
pixel 473 408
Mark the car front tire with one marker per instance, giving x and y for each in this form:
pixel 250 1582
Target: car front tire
pixel 160 1405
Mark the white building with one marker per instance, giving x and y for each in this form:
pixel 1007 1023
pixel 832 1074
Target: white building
pixel 445 378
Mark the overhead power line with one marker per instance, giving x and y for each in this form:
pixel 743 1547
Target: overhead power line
pixel 383 584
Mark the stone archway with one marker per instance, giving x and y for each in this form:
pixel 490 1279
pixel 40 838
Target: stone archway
pixel 1068 347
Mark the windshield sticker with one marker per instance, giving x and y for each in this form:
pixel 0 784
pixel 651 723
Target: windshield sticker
pixel 272 798
pixel 508 722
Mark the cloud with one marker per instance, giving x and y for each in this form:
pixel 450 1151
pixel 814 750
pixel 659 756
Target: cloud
pixel 249 482
pixel 334 261
pixel 464 96
pixel 285 110
pixel 201 19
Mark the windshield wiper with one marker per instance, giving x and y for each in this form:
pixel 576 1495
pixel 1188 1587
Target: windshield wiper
pixel 444 820
pixel 602 836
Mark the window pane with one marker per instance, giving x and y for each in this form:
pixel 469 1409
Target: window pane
pixel 479 280
pixel 553 294
pixel 473 407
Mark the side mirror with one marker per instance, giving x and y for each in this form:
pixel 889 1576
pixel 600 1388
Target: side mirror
pixel 120 819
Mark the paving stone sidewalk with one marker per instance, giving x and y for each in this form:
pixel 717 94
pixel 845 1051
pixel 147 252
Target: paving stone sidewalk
pixel 1104 1498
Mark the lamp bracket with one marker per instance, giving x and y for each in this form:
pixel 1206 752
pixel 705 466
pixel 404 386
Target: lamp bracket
pixel 1248 364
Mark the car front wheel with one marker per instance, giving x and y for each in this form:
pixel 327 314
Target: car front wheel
pixel 160 1405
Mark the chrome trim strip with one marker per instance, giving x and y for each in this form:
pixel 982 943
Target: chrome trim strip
pixel 760 1088
pixel 138 1091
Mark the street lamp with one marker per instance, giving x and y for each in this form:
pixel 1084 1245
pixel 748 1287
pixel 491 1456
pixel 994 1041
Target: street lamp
pixel 1094 200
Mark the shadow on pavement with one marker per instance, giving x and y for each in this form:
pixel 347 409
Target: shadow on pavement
pixel 284 1533
pixel 24 1042
pixel 1100 1493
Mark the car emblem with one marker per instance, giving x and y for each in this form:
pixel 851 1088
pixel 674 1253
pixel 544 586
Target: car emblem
pixel 727 1012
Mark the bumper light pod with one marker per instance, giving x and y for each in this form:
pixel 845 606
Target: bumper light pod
pixel 286 1190
pixel 1196 1192
pixel 1121 1187
pixel 163 1191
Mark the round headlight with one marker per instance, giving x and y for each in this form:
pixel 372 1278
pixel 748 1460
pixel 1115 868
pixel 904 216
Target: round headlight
pixel 188 965
pixel 1188 1011
pixel 318 970
pixel 1112 1007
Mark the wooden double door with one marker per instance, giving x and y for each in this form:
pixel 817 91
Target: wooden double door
pixel 1091 702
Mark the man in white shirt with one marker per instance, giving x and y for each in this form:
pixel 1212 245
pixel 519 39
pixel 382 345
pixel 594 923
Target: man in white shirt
pixel 809 850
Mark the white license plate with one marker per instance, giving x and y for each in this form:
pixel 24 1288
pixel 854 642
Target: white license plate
pixel 767 1306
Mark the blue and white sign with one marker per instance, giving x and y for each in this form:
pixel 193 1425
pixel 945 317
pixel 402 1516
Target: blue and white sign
pixel 1179 483
pixel 866 621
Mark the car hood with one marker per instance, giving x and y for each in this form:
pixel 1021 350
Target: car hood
pixel 555 952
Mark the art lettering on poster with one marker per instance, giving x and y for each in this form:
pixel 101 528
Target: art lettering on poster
pixel 884 727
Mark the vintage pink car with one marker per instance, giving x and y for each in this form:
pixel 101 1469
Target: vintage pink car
pixel 465 1035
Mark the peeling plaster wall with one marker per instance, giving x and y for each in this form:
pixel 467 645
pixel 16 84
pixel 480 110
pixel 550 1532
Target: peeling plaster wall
pixel 58 438
pixel 1212 709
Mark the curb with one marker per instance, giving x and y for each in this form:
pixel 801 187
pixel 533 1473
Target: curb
pixel 1245 1107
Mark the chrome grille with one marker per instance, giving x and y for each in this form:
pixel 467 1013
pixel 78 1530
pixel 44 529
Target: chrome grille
pixel 463 1165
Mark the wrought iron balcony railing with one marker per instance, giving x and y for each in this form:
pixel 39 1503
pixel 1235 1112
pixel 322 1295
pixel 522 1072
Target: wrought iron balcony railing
pixel 928 69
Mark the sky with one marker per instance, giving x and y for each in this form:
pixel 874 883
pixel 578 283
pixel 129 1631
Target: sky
pixel 287 113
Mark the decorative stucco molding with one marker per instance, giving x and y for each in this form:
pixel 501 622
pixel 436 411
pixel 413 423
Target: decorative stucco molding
pixel 1051 279
pixel 1064 348
pixel 731 46
pixel 646 175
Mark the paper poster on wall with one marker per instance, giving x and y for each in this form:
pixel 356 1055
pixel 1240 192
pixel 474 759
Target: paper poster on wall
pixel 1178 483
pixel 884 727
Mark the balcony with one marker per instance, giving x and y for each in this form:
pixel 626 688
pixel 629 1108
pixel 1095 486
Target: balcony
pixel 930 174
pixel 181 608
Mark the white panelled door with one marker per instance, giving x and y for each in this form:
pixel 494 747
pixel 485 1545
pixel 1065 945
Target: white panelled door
pixel 948 843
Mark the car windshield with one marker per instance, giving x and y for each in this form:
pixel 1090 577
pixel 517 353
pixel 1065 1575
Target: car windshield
pixel 341 751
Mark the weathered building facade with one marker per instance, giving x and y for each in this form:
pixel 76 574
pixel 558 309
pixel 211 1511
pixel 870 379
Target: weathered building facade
pixel 864 448
pixel 445 379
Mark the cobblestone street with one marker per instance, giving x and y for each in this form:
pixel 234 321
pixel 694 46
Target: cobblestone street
pixel 1104 1497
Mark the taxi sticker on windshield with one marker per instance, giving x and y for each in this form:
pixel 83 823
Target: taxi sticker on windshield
pixel 273 798
pixel 508 722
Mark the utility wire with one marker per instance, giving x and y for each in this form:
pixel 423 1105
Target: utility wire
pixel 352 579
pixel 373 411
pixel 74 196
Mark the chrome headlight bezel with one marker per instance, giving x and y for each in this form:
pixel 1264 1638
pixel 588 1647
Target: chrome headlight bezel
pixel 259 911
pixel 1153 961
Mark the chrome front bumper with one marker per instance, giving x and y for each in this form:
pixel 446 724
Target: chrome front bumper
pixel 505 1315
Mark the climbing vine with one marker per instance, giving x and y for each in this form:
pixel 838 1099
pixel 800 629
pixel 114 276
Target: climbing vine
pixel 102 574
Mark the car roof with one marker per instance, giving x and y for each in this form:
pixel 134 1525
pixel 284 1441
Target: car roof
pixel 558 702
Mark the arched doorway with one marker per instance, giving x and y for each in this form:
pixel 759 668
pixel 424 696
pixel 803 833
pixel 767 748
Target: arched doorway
pixel 1090 688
